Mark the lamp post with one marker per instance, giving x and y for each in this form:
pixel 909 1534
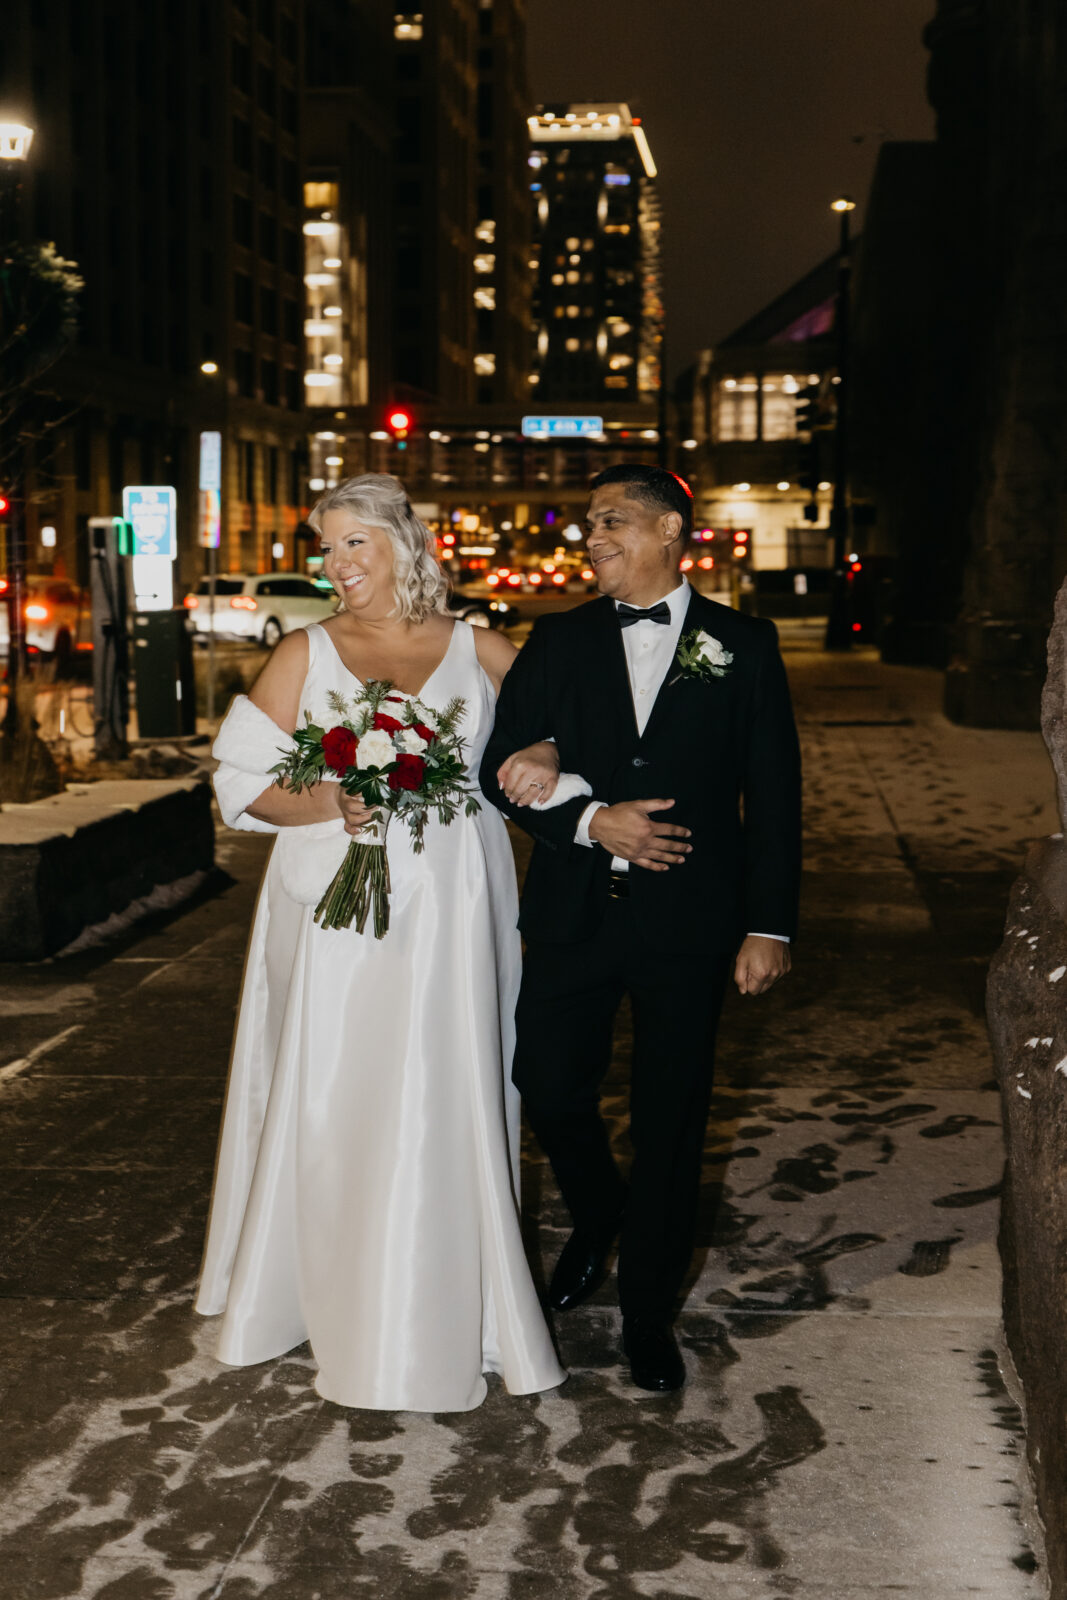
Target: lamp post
pixel 15 141
pixel 839 622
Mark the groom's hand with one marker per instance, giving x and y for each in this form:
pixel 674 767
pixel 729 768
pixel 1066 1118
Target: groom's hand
pixel 760 963
pixel 627 830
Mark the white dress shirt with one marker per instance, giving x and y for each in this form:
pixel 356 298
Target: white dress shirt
pixel 650 649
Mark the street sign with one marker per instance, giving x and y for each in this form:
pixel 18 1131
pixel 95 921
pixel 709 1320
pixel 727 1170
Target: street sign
pixel 562 427
pixel 152 511
pixel 211 461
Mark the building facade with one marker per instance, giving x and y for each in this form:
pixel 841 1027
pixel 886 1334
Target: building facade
pixel 597 305
pixel 167 165
pixel 750 467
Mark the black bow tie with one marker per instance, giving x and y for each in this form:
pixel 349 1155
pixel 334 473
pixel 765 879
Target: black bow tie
pixel 628 615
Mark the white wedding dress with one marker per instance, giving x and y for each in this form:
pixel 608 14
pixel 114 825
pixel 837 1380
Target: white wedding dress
pixel 366 1196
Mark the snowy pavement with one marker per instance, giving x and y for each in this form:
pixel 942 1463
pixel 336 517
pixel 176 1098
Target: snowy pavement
pixel 845 1432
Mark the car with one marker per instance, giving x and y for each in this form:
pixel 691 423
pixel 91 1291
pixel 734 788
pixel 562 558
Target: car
pixel 483 613
pixel 57 616
pixel 260 607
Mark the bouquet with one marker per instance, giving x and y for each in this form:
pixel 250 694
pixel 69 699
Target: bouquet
pixel 405 760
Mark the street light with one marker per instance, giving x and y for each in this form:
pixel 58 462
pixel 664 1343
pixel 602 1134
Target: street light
pixel 15 141
pixel 838 624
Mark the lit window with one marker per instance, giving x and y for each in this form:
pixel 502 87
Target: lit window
pixel 484 263
pixel 572 244
pixel 317 195
pixel 734 410
pixel 575 260
pixel 616 227
pixel 485 366
pixel 572 345
pixel 779 400
pixel 573 277
pixel 333 361
pixel 618 362
pixel 319 380
pixel 616 381
pixel 407 25
pixel 320 230
pixel 481 448
pixel 486 231
pixel 574 311
pixel 557 279
pixel 319 280
pixel 485 299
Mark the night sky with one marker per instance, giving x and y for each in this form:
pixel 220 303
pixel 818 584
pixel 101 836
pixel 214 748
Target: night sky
pixel 758 112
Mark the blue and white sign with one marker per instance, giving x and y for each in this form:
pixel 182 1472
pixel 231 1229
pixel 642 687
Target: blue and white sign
pixel 562 427
pixel 152 512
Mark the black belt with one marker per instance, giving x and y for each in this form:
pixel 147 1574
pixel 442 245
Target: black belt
pixel 619 885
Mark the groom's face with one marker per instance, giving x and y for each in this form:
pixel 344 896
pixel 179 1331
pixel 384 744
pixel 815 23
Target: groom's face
pixel 633 548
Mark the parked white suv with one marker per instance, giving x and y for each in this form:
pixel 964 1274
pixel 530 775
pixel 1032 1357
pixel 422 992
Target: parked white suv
pixel 260 607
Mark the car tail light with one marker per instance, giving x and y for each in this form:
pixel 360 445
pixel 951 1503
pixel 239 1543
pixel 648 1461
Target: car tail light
pixel 190 602
pixel 493 579
pixel 707 562
pixel 536 577
pixel 503 571
pixel 514 580
pixel 588 574
pixel 36 613
pixel 686 564
pixel 559 577
pixel 3 585
pixel 243 602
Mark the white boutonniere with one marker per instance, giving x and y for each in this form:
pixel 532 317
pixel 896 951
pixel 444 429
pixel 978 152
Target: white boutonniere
pixel 701 656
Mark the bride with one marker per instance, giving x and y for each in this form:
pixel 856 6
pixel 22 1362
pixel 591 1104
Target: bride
pixel 366 1194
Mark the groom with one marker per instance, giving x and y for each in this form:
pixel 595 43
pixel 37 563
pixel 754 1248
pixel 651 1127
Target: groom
pixel 683 867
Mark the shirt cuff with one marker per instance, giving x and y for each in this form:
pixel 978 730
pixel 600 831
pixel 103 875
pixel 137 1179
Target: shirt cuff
pixel 783 938
pixel 581 835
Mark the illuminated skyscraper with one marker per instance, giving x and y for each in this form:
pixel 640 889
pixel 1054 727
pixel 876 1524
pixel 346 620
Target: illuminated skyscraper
pixel 598 307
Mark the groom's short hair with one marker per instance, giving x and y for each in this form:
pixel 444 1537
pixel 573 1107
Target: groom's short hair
pixel 654 487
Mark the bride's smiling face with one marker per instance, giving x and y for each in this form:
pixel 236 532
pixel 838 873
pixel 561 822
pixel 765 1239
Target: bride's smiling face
pixel 358 560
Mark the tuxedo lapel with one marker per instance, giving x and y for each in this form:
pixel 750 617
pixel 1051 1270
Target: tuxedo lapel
pixel 607 665
pixel 668 689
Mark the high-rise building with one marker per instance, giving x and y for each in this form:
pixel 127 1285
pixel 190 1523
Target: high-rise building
pixel 434 202
pixel 502 283
pixel 166 164
pixel 598 308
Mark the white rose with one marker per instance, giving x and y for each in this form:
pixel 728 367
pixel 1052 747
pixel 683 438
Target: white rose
pixel 411 741
pixel 375 749
pixel 427 717
pixel 712 651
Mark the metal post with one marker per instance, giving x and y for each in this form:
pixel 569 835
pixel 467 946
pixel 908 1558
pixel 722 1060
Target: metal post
pixel 11 474
pixel 212 573
pixel 839 622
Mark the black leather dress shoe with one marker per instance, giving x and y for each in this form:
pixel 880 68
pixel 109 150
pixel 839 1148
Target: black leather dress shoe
pixel 655 1360
pixel 578 1272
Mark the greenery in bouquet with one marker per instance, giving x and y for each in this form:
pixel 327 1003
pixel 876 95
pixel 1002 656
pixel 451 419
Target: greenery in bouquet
pixel 403 759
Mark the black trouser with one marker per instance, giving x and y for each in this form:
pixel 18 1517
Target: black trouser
pixel 567 1004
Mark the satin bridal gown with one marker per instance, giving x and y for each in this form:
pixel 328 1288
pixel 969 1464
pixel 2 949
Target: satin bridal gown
pixel 366 1194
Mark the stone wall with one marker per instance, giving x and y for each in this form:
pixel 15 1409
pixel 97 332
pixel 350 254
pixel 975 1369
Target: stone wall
pixel 75 859
pixel 1027 1007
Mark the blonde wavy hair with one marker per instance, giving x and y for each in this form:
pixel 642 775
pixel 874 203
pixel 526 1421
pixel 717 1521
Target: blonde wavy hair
pixel 381 501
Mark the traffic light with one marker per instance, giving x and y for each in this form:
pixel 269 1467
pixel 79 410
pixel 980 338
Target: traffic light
pixel 5 505
pixel 399 424
pixel 742 538
pixel 809 474
pixel 806 408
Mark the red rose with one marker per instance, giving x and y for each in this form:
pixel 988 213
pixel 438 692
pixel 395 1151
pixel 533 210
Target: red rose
pixel 386 723
pixel 424 732
pixel 339 748
pixel 408 772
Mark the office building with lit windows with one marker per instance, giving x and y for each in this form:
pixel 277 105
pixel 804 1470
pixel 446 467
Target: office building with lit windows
pixel 739 444
pixel 598 308
pixel 167 165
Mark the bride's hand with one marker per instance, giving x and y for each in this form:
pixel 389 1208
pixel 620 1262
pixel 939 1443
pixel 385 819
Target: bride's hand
pixel 530 774
pixel 355 812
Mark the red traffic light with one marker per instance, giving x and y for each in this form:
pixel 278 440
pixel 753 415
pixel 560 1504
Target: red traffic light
pixel 5 505
pixel 399 421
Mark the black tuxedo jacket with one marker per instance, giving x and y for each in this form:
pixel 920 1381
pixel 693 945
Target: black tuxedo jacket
pixel 725 751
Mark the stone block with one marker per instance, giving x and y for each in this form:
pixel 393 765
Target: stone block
pixel 74 859
pixel 1027 1012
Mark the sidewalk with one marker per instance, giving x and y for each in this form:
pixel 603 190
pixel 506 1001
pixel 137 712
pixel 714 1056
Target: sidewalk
pixel 845 1433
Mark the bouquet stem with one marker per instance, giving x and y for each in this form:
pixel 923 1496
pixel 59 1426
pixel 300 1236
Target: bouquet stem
pixel 361 884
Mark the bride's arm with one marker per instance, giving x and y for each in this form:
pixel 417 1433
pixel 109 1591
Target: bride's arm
pixel 277 693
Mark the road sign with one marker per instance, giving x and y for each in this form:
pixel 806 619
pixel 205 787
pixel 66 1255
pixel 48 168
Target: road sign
pixel 211 461
pixel 562 427
pixel 152 511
